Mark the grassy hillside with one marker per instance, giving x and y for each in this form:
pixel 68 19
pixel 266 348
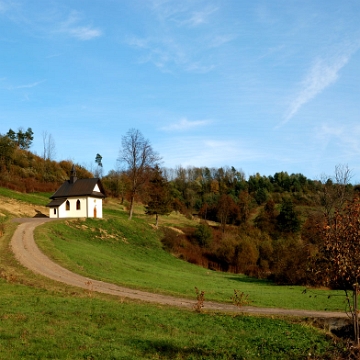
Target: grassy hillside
pixel 129 253
pixel 45 319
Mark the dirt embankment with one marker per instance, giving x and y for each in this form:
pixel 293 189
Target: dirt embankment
pixel 21 209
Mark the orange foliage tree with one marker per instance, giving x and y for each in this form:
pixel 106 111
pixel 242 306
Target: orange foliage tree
pixel 338 261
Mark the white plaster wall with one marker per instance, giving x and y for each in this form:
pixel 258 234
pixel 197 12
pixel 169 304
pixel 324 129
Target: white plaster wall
pixel 51 213
pixel 87 206
pixel 92 204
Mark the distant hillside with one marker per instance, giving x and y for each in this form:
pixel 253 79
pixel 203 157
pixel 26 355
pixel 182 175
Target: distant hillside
pixel 23 171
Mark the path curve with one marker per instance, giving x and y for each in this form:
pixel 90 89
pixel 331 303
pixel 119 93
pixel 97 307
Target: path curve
pixel 30 256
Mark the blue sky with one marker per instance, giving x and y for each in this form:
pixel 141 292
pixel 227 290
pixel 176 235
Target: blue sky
pixel 264 86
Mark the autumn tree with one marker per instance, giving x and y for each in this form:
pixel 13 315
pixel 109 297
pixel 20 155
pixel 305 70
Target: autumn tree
pixel 267 219
pixel 225 209
pixel 159 196
pixel 244 206
pixel 338 262
pixel 139 157
pixel 116 184
pixel 7 148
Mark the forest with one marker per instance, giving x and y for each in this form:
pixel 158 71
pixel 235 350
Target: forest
pixel 262 226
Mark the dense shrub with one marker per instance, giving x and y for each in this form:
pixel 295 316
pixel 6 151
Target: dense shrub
pixel 203 235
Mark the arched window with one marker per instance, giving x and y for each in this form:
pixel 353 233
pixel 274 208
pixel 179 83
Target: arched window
pixel 67 205
pixel 78 206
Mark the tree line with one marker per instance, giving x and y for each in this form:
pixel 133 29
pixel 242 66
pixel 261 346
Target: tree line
pixel 24 171
pixel 253 226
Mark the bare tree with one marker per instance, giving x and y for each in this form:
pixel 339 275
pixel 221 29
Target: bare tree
pixel 49 151
pixel 336 190
pixel 139 157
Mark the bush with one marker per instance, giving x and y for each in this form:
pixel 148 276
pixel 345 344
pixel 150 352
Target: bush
pixel 203 235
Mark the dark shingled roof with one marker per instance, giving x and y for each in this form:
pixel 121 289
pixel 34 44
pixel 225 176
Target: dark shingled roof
pixel 81 187
pixel 56 202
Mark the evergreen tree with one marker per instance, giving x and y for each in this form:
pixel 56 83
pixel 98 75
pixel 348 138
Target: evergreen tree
pixel 159 196
pixel 288 220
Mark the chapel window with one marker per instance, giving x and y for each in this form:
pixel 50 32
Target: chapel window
pixel 78 206
pixel 67 205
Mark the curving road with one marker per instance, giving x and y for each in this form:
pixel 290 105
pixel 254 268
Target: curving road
pixel 29 255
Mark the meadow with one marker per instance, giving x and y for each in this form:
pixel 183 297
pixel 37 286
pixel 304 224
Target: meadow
pixel 42 319
pixel 129 253
pixel 38 324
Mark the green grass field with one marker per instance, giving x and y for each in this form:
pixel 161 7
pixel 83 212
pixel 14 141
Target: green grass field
pixel 129 253
pixel 36 324
pixel 43 319
pixel 35 198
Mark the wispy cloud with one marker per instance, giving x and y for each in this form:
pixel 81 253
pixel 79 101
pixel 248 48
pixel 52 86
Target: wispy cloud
pixel 26 86
pixel 323 73
pixel 197 18
pixel 165 46
pixel 160 51
pixel 220 40
pixel 184 13
pixel 346 134
pixel 184 124
pixel 198 151
pixel 72 28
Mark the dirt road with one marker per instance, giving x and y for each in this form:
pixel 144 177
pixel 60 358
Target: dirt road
pixel 29 255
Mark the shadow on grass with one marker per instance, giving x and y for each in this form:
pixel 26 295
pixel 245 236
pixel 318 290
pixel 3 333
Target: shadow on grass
pixel 252 280
pixel 167 349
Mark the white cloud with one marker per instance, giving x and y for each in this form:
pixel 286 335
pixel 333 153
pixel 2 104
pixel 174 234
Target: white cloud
pixel 348 135
pixel 200 151
pixel 336 143
pixel 84 32
pixel 219 40
pixel 165 45
pixel 184 124
pixel 197 18
pixel 71 27
pixel 323 73
pixel 26 86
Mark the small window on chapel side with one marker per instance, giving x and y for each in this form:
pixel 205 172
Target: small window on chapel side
pixel 67 205
pixel 54 211
pixel 78 205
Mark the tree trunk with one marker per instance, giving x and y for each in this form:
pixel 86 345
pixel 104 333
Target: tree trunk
pixel 131 207
pixel 157 220
pixel 355 315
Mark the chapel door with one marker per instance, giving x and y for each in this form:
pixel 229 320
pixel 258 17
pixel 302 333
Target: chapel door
pixel 95 212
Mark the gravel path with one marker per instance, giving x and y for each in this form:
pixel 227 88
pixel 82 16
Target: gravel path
pixel 29 255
